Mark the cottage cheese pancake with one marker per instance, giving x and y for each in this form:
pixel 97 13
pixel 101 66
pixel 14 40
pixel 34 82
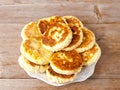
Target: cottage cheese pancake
pixel 33 51
pixel 66 62
pixel 56 33
pixel 30 31
pixel 91 56
pixel 88 41
pixel 75 26
pixel 30 66
pixel 59 78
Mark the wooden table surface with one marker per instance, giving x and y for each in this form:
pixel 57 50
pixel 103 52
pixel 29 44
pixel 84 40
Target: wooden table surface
pixel 101 16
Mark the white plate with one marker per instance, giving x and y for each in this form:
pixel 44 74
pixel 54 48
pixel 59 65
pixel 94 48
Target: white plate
pixel 85 73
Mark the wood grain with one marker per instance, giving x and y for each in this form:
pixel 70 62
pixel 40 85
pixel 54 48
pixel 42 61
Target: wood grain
pixel 33 84
pixel 12 2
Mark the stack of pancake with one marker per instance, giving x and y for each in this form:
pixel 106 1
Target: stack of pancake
pixel 59 47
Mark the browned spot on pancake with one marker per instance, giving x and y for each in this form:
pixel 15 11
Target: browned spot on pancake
pixel 59 75
pixel 76 35
pixel 72 62
pixel 43 26
pixel 87 55
pixel 28 62
pixel 87 39
pixel 48 41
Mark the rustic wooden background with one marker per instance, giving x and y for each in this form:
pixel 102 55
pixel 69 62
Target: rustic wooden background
pixel 101 16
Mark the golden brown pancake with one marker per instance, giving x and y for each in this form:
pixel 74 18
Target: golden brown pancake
pixel 56 33
pixel 59 78
pixel 30 31
pixel 30 66
pixel 75 25
pixel 92 55
pixel 88 41
pixel 66 62
pixel 34 51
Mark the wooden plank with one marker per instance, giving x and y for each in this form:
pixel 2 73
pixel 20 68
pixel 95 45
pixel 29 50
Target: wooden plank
pixel 93 13
pixel 32 12
pixel 12 2
pixel 33 84
pixel 106 35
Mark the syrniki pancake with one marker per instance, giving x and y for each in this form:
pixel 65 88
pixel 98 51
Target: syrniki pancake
pixel 31 67
pixel 88 41
pixel 59 78
pixel 92 55
pixel 33 51
pixel 66 62
pixel 30 31
pixel 56 33
pixel 75 26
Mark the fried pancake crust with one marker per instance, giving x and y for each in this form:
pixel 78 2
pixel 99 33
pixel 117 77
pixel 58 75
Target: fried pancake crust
pixel 66 62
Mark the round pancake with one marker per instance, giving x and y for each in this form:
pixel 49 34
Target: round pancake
pixel 30 31
pixel 59 78
pixel 88 41
pixel 91 56
pixel 57 34
pixel 31 67
pixel 75 26
pixel 34 51
pixel 66 62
